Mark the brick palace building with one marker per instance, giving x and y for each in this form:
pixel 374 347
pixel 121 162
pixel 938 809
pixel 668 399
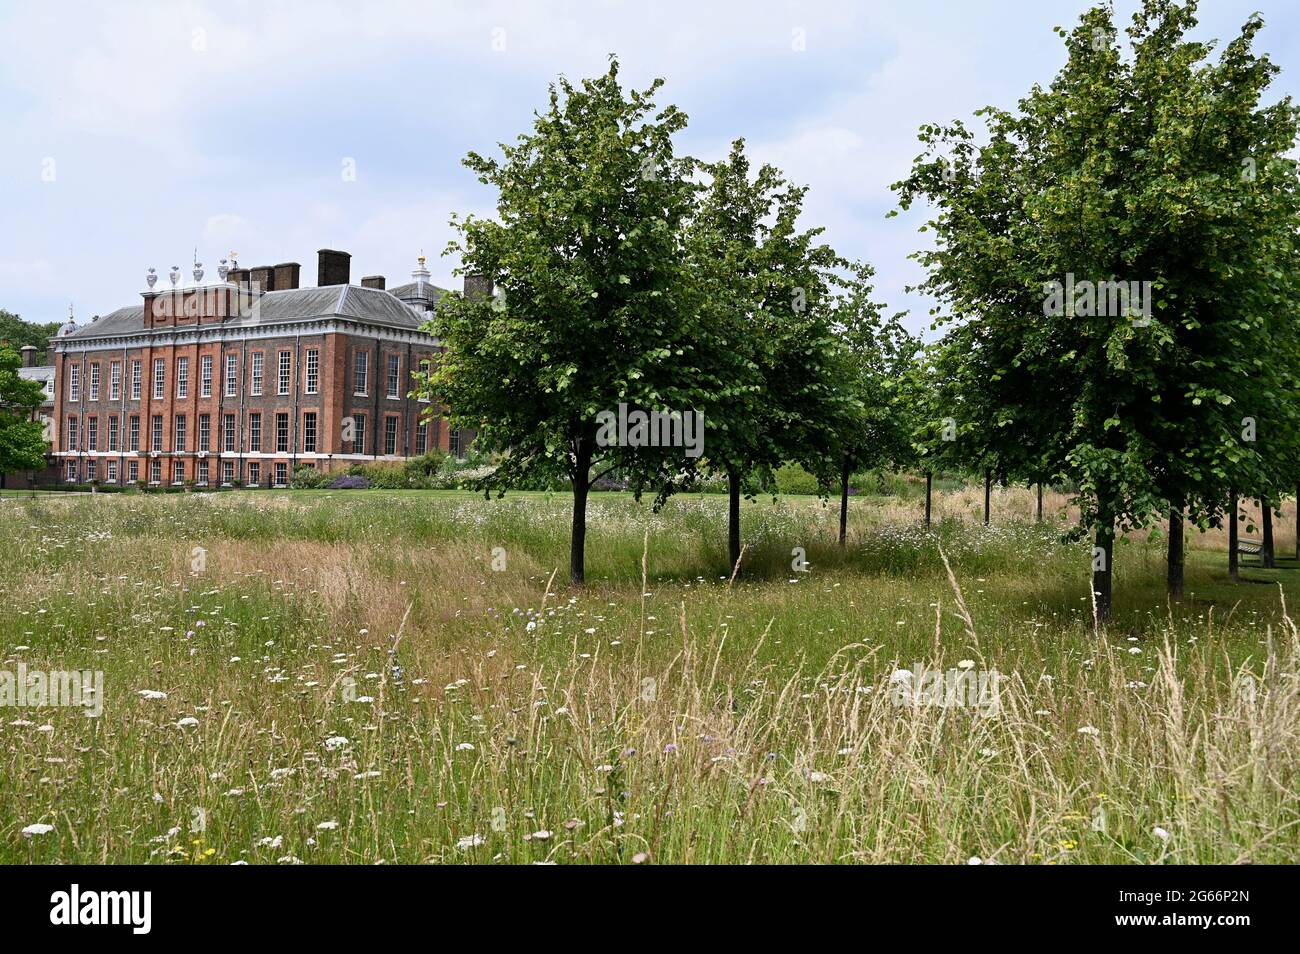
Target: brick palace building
pixel 243 380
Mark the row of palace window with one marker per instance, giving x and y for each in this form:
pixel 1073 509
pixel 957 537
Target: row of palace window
pixel 278 474
pixel 230 378
pixel 229 438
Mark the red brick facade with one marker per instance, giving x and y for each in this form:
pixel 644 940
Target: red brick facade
pixel 188 393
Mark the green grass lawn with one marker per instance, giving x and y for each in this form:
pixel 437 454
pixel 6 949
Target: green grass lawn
pixel 362 676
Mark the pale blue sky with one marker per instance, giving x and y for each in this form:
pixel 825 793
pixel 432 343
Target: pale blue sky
pixel 227 125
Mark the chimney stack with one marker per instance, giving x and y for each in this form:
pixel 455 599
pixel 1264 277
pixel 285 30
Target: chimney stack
pixel 263 276
pixel 333 267
pixel 287 275
pixel 238 276
pixel 478 286
pixel 374 281
pixel 29 356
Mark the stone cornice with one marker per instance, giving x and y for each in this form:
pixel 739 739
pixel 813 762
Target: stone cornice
pixel 205 334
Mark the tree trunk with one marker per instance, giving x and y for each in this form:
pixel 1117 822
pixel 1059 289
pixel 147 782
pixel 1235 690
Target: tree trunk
pixel 844 502
pixel 1174 578
pixel 1103 567
pixel 1297 521
pixel 733 518
pixel 1233 558
pixel 988 489
pixel 1266 515
pixel 929 489
pixel 1040 503
pixel 578 535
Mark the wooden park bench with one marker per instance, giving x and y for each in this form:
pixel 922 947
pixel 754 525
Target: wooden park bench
pixel 1251 548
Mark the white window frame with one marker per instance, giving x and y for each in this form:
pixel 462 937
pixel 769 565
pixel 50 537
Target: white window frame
pixel 390 431
pixel 394 377
pixel 361 374
pixel 311 371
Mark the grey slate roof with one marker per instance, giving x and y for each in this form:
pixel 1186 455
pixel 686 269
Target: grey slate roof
pixel 368 305
pixel 43 375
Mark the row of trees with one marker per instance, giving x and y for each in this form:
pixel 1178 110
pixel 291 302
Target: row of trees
pixel 1148 164
pixel 627 274
pixel 1114 260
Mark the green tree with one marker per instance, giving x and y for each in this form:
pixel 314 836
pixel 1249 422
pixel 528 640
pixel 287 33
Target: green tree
pixel 767 295
pixel 1126 169
pixel 19 333
pixel 22 441
pixel 873 361
pixel 595 307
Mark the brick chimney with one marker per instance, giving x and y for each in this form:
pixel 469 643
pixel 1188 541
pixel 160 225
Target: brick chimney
pixel 263 276
pixel 29 356
pixel 478 286
pixel 333 267
pixel 374 281
pixel 238 276
pixel 287 275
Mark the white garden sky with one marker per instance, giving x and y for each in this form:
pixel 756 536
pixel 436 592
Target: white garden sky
pixel 136 132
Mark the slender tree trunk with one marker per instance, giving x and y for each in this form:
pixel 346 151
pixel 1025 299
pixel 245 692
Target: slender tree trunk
pixel 1233 559
pixel 844 502
pixel 1103 566
pixel 929 489
pixel 1266 515
pixel 578 535
pixel 1039 515
pixel 733 517
pixel 1174 578
pixel 988 490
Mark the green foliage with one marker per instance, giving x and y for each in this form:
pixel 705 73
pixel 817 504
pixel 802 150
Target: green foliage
pixel 791 478
pixel 22 441
pixel 19 333
pixel 874 363
pixel 593 306
pixel 306 477
pixel 769 293
pixel 1126 168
